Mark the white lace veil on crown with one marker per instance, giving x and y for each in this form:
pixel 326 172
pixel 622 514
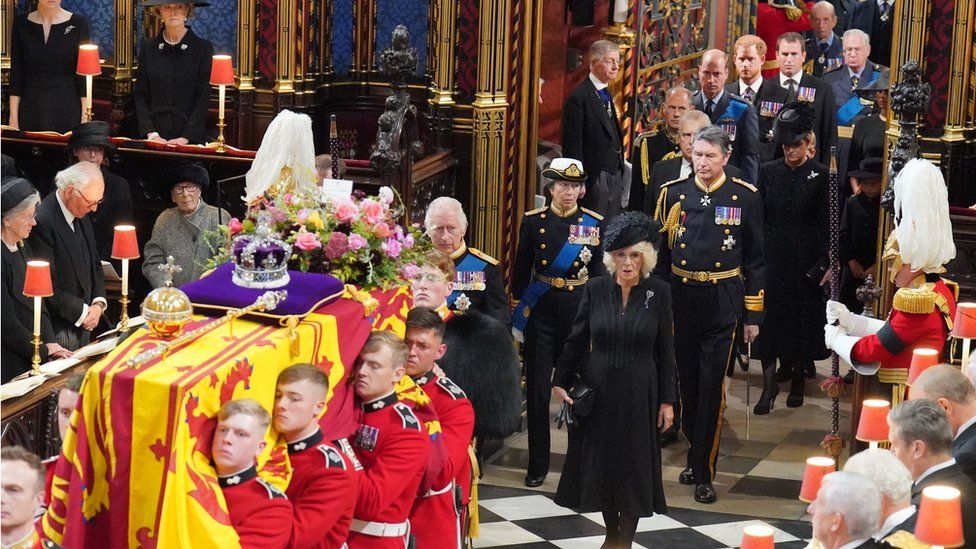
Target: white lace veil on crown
pixel 924 230
pixel 287 142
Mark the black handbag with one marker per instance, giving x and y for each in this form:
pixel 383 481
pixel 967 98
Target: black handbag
pixel 583 398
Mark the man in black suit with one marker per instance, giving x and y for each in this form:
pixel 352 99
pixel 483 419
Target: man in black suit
pixel 65 238
pixel 592 134
pixel 791 54
pixel 876 19
pixel 765 96
pixel 921 437
pixel 857 70
pixel 660 144
pixel 730 112
pixel 846 512
pixel 824 48
pixel 956 395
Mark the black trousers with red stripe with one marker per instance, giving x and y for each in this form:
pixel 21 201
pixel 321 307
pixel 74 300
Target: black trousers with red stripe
pixel 705 320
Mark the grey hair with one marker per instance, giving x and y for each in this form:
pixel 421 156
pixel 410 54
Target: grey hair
pixel 446 202
pixel 892 478
pixel 697 118
pixel 31 200
pixel 601 48
pixel 825 5
pixel 648 254
pixel 944 381
pixel 922 420
pixel 714 135
pixel 675 90
pixel 859 33
pixel 856 498
pixel 81 175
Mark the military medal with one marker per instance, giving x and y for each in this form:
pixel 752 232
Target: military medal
pixel 467 281
pixel 366 437
pixel 462 303
pixel 728 125
pixel 728 243
pixel 727 215
pixel 821 59
pixel 585 256
pixel 706 200
pixel 584 234
pixel 769 108
pixel 804 93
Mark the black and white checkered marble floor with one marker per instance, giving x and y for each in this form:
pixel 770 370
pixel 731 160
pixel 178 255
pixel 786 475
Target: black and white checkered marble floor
pixel 513 518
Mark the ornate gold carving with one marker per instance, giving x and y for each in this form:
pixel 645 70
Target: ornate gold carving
pixel 442 41
pixel 246 23
pixel 285 71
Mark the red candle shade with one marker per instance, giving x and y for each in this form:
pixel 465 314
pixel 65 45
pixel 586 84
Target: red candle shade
pixel 817 468
pixel 222 71
pixel 873 425
pixel 964 325
pixel 757 536
pixel 88 64
pixel 922 359
pixel 125 245
pixel 37 280
pixel 940 517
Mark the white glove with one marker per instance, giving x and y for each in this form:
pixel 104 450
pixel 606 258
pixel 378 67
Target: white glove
pixel 852 324
pixel 830 334
pixel 836 311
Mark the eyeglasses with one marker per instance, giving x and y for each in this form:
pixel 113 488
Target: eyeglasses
pixel 186 189
pixel 91 204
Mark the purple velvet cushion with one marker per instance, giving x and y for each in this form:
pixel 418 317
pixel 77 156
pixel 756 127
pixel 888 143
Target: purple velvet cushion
pixel 261 253
pixel 306 292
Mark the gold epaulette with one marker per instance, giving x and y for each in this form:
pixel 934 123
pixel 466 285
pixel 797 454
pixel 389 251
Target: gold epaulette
pixel 594 214
pixel 644 162
pixel 483 255
pixel 905 540
pixel 673 181
pixel 745 184
pixel 917 301
pixel 953 287
pixel 536 211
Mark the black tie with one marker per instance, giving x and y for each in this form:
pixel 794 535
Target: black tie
pixel 823 48
pixel 76 226
pixel 791 90
pixel 709 107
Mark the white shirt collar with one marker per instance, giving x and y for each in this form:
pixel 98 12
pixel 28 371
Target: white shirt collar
pixel 964 426
pixel 68 216
pixel 783 79
pixel 829 40
pixel 685 170
pixel 893 520
pixel 754 86
pixel 935 468
pixel 853 543
pixel 12 247
pixel 715 100
pixel 858 73
pixel 596 82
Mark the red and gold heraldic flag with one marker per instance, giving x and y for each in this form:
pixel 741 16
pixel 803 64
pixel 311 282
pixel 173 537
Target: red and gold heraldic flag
pixel 135 468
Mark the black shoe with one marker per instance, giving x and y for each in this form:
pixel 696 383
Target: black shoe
pixel 765 405
pixel 704 493
pixel 797 387
pixel 534 482
pixel 687 476
pixel 810 371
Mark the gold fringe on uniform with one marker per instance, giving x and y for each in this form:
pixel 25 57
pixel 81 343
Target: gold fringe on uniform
pixel 915 300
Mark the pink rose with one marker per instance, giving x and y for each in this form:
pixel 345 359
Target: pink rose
pixel 386 196
pixel 409 271
pixel 346 210
pixel 382 230
pixel 408 241
pixel 337 246
pixel 302 215
pixel 356 242
pixel 392 248
pixel 372 211
pixel 307 241
pixel 235 226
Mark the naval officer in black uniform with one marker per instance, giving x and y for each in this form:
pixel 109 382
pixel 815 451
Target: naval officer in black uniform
pixel 558 251
pixel 657 145
pixel 730 112
pixel 714 230
pixel 478 282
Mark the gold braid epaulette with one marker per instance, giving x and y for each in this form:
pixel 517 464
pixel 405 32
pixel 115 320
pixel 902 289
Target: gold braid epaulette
pixel 917 301
pixel 645 170
pixel 905 540
pixel 673 219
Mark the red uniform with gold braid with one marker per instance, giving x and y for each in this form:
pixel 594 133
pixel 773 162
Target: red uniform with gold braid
pixel 436 517
pixel 260 513
pixel 393 450
pixel 920 318
pixel 322 491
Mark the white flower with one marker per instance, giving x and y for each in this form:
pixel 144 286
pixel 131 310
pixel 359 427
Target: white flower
pixel 386 196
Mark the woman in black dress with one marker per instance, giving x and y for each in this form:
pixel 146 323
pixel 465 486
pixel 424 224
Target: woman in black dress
pixel 17 315
pixel 45 92
pixel 868 139
pixel 622 346
pixel 172 89
pixel 794 193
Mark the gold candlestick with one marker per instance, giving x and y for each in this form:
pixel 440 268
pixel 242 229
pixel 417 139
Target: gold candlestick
pixel 36 361
pixel 220 136
pixel 124 319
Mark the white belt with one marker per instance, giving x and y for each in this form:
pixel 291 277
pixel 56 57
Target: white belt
pixel 444 490
pixel 380 529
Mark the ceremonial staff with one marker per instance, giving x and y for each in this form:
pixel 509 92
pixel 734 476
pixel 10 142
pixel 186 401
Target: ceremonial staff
pixel 832 442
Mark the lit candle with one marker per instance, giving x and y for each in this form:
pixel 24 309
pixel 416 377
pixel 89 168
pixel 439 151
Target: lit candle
pixel 125 276
pixel 221 100
pixel 37 315
pixel 620 9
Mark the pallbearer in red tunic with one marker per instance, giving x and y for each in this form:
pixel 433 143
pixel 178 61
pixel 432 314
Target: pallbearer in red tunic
pixel 924 305
pixel 67 402
pixel 436 515
pixel 259 512
pixel 391 446
pixel 324 481
pixel 22 480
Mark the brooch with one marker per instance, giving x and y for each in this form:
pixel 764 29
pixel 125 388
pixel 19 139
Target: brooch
pixel 69 29
pixel 813 175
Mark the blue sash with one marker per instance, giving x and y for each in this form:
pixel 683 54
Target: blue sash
pixel 559 267
pixel 853 106
pixel 734 110
pixel 470 262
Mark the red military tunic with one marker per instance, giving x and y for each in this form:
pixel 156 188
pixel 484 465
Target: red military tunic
pixel 322 492
pixel 260 513
pixel 434 511
pixel 392 448
pixel 918 319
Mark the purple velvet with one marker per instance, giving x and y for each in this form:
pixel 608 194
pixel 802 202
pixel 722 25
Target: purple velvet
pixel 306 292
pixel 261 252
